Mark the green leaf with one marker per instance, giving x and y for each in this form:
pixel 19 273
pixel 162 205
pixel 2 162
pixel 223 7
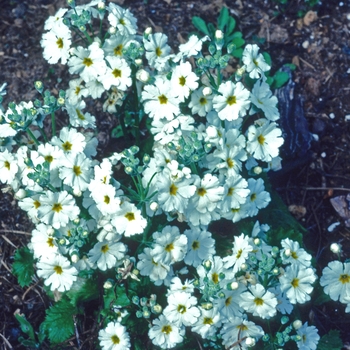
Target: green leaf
pixel 237 53
pixel 238 42
pixel 26 327
pixel 83 290
pixel 280 78
pixel 223 18
pixel 267 58
pixel 59 323
pixel 23 266
pixel 231 25
pixel 331 340
pixel 122 298
pixel 200 24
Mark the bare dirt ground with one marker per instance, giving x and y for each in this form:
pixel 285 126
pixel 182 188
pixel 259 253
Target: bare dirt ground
pixel 318 44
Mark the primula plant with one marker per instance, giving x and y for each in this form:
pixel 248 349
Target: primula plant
pixel 153 240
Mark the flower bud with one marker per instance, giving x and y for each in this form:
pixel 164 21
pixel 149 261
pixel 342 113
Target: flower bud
pixel 257 170
pixel 287 252
pixel 207 91
pixel 297 324
pixel 101 6
pixel 154 206
pixel 335 248
pixel 250 342
pixel 74 257
pixel 148 31
pixel 142 75
pixel 157 309
pixel 219 34
pixel 207 306
pixel 112 30
pixel 20 194
pixel 233 285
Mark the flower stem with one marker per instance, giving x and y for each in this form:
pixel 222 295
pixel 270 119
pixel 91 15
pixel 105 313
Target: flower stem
pixel 53 124
pixel 36 141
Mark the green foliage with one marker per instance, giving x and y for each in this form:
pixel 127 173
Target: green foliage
pixel 23 266
pixel 83 290
pixel 331 340
pixel 27 329
pixel 59 323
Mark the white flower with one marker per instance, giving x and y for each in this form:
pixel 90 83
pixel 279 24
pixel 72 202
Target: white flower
pixel 176 285
pixel 76 91
pixel 76 171
pixel 254 62
pixel 181 309
pixel 117 74
pixel 236 329
pixel 56 44
pixel 174 195
pixel 169 245
pixel 200 103
pixel 165 333
pixel 105 197
pixel 158 100
pixel 106 254
pixel 201 246
pixel 157 272
pixel 115 45
pixel 240 251
pixel 264 140
pixel 52 154
pixel 70 140
pixel 233 101
pixel 57 272
pixel 183 81
pixel 157 49
pixel 296 283
pixel 56 21
pixel 89 63
pixel 261 96
pixel 76 116
pixel 309 337
pixel 258 198
pixel 284 306
pixel 57 209
pixel 114 337
pixel 335 280
pixel 259 301
pixel 42 242
pixel 296 255
pixel 122 19
pixel 192 47
pixel 208 322
pixel 8 167
pixel 128 220
pixel 208 193
pixel 236 192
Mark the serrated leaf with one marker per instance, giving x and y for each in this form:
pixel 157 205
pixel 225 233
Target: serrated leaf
pixel 122 298
pixel 23 266
pixel 280 78
pixel 200 24
pixel 59 324
pixel 83 290
pixel 26 327
pixel 331 340
pixel 223 18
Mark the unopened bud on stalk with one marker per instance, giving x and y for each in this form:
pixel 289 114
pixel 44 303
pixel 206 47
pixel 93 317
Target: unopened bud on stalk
pixel 148 31
pixel 219 34
pixel 297 324
pixel 257 170
pixel 250 342
pixel 75 258
pixel 142 76
pixel 335 248
pixel 108 285
pixel 138 61
pixel 287 252
pixel 101 6
pixel 20 194
pixel 112 30
pixel 154 206
pixel 207 91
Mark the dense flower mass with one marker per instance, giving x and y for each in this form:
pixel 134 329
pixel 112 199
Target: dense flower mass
pixel 139 225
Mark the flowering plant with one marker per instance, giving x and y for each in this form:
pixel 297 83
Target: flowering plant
pixel 139 232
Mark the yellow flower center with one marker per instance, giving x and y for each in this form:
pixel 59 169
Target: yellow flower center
pixel 87 61
pixel 158 52
pixel 59 43
pixel 173 190
pixel 253 197
pixel 58 269
pixel 115 339
pixel 203 101
pixel 36 204
pixel 7 164
pixel 118 50
pixel 181 309
pixel 57 207
pixel 105 248
pixel 242 327
pixel 182 81
pixel 80 115
pixel 130 216
pixel 208 320
pixel 294 255
pixel 195 245
pixel 201 192
pixel 295 282
pixel 231 100
pixel 215 278
pixel 117 73
pixel 50 242
pixel 166 329
pixel 67 146
pixel 258 301
pixel 228 301
pixel 77 90
pixel 344 278
pixel 261 139
pixel 106 199
pixel 169 247
pixel 230 163
pixel 162 99
pixel 230 191
pixel 77 170
pixel 239 253
pixel 48 158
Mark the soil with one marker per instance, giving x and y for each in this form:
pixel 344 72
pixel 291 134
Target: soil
pixel 316 172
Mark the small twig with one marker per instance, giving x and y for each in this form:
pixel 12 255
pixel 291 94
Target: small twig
pixel 307 63
pixel 6 267
pixel 6 341
pixel 8 241
pixel 30 288
pixel 76 331
pixel 16 231
pixel 237 343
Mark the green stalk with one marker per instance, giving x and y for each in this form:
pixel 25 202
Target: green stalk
pixel 53 124
pixel 43 134
pixel 36 141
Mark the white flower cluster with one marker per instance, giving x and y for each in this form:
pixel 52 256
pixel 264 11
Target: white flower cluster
pixel 212 139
